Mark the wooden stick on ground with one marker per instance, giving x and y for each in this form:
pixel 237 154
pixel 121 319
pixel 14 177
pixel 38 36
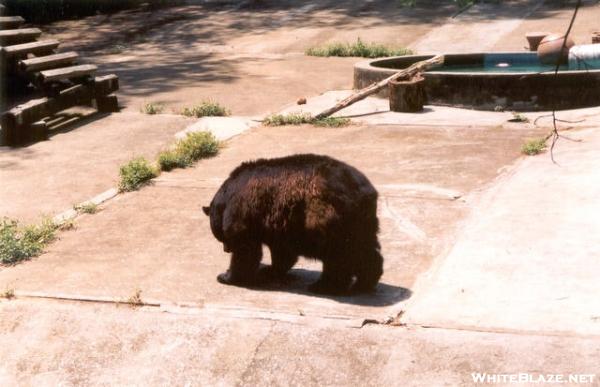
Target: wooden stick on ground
pixel 375 87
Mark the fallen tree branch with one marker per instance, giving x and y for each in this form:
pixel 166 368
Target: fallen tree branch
pixel 375 87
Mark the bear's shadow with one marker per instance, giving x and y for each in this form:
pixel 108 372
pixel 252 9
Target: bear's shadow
pixel 298 280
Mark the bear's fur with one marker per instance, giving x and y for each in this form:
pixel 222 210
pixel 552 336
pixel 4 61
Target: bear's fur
pixel 308 205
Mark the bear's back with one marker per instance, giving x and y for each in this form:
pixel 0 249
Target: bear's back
pixel 302 177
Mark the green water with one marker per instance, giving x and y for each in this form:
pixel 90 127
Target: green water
pixel 526 62
pixel 511 68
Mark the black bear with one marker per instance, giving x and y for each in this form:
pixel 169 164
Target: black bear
pixel 305 204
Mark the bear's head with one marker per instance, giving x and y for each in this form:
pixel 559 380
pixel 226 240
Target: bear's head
pixel 215 213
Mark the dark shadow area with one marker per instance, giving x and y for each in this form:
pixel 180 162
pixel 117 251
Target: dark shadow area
pixel 44 11
pixel 298 280
pixel 66 122
pixel 216 23
pixel 170 72
pixel 60 123
pixel 424 111
pixel 507 11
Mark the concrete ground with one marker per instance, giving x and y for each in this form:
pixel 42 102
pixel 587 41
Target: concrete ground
pixel 528 258
pixel 489 256
pixel 422 174
pixel 78 162
pixel 88 344
pixel 252 62
pixel 465 315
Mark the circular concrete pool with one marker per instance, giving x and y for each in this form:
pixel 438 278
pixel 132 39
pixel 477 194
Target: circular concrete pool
pixel 488 81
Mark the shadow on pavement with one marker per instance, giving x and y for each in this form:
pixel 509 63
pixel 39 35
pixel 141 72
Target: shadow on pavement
pixel 298 280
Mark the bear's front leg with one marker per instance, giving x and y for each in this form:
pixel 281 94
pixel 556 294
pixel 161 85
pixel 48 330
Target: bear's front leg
pixel 282 260
pixel 244 264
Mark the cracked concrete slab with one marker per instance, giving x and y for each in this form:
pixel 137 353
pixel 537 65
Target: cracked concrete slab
pixel 430 169
pixel 158 240
pixel 528 259
pixel 78 163
pixel 54 343
pixel 223 128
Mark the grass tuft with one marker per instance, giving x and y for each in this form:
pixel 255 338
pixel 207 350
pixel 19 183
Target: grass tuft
pixel 195 146
pixel 518 117
pixel 287 119
pixel 8 293
pixel 534 147
pixel 20 243
pixel 304 118
pixel 332 122
pixel 206 109
pixel 357 49
pixel 135 174
pixel 169 159
pixel 407 3
pixel 135 300
pixel 152 108
pixel 86 208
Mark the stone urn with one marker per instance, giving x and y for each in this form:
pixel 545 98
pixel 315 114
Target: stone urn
pixel 534 39
pixel 549 49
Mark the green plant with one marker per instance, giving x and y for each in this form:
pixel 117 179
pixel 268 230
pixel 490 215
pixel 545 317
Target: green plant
pixel 518 117
pixel 9 294
pixel 304 118
pixel 118 48
pixel 533 147
pixel 357 49
pixel 152 108
pixel 86 208
pixel 135 174
pixel 287 119
pixel 20 243
pixel 460 3
pixel 135 299
pixel 206 109
pixel 195 146
pixel 65 225
pixel 332 122
pixel 464 3
pixel 407 3
pixel 169 159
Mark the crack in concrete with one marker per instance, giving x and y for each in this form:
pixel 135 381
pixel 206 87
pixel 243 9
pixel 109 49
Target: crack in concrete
pixel 504 331
pixel 190 308
pixel 257 349
pixel 238 312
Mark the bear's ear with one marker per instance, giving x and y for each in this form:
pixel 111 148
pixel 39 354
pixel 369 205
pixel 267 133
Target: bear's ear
pixel 206 210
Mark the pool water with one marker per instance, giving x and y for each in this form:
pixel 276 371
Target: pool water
pixel 503 63
pixel 485 80
pixel 511 68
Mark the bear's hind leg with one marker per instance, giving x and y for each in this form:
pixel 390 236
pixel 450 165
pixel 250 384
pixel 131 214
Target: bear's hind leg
pixel 369 268
pixel 335 279
pixel 243 266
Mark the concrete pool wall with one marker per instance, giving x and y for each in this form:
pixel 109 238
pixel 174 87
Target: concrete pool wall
pixel 520 91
